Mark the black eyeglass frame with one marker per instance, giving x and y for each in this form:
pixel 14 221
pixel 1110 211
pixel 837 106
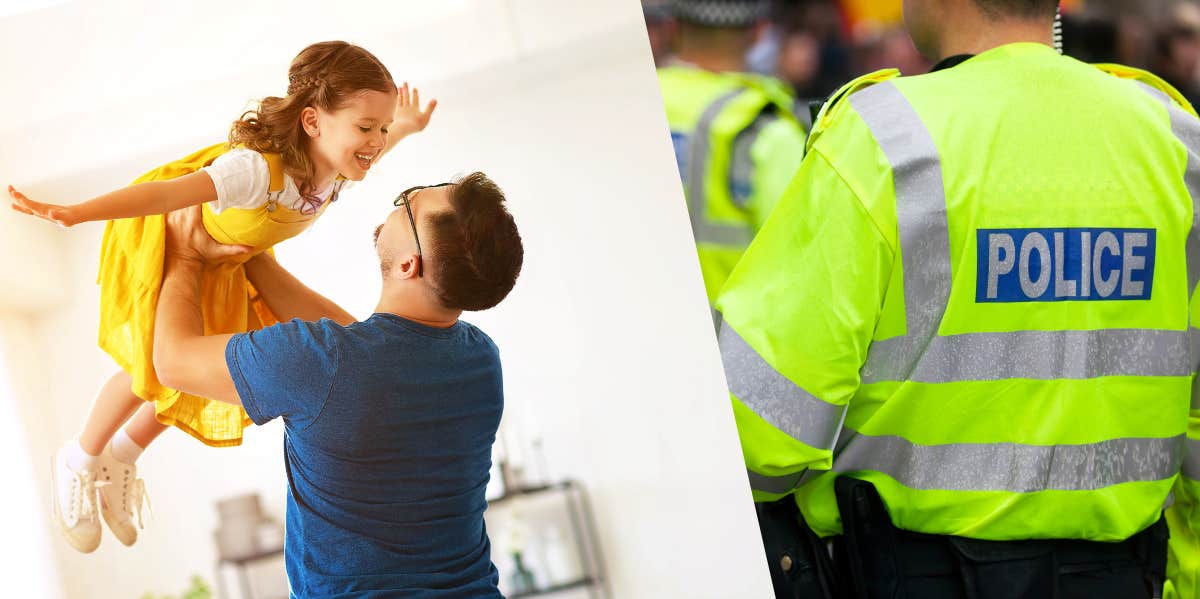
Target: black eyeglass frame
pixel 402 200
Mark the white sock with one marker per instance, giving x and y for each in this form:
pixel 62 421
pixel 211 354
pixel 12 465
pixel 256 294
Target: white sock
pixel 125 449
pixel 78 459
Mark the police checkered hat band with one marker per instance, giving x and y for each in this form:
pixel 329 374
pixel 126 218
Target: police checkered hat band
pixel 718 13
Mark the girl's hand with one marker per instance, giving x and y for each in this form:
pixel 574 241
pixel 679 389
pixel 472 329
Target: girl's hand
pixel 59 215
pixel 409 117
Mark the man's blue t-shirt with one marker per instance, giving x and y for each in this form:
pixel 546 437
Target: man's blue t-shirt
pixel 389 426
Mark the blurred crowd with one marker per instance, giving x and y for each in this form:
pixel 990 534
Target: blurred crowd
pixel 816 45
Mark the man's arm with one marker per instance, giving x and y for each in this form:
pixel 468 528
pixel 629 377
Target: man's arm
pixel 287 297
pixel 184 358
pixel 1183 515
pixel 794 338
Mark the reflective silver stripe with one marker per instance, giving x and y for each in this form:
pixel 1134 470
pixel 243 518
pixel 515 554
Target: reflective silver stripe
pixel 774 398
pixel 1194 356
pixel 697 190
pixel 1195 393
pixel 1042 355
pixel 1187 129
pixel 774 484
pixel 1194 346
pixel 741 159
pixel 921 218
pixel 1013 467
pixel 1191 459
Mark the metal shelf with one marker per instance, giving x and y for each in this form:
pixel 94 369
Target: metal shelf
pixel 558 588
pixel 583 531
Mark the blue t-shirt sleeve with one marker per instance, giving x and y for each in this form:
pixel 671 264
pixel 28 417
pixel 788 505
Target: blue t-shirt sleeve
pixel 287 370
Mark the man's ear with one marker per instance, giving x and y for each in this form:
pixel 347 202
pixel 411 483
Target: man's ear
pixel 309 119
pixel 407 268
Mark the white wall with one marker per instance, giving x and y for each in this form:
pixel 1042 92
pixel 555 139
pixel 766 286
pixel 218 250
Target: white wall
pixel 27 550
pixel 608 349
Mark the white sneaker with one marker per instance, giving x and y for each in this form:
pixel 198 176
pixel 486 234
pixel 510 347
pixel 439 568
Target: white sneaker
pixel 73 503
pixel 122 494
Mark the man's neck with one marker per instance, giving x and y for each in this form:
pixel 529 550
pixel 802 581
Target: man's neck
pixel 716 63
pixel 974 33
pixel 405 304
pixel 714 49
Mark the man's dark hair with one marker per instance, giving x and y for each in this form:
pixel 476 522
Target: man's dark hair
pixel 1024 9
pixel 477 251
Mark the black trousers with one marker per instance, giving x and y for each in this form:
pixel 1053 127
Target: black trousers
pixel 874 559
pixel 879 560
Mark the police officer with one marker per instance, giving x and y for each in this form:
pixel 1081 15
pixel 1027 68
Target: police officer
pixel 963 345
pixel 736 139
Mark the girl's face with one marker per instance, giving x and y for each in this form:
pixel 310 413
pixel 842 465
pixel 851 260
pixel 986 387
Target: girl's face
pixel 347 141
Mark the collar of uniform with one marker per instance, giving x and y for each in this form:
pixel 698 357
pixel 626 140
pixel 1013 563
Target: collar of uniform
pixel 951 62
pixel 1018 50
pixel 1013 50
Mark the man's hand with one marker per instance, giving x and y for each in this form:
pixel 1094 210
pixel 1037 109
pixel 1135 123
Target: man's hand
pixel 409 117
pixel 188 241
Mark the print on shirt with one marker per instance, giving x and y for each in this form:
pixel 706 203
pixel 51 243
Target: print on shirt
pixel 1051 265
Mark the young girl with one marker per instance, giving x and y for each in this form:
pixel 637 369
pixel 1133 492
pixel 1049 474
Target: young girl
pixel 284 164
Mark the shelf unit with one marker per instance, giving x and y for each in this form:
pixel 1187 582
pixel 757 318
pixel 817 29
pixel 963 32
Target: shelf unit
pixel 241 564
pixel 582 532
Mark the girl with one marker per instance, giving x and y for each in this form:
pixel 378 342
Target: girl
pixel 284 164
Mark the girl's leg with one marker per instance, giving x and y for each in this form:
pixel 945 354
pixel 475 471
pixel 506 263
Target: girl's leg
pixel 144 428
pixel 77 466
pixel 121 498
pixel 113 407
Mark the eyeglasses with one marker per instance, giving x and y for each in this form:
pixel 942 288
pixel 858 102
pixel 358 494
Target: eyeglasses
pixel 402 200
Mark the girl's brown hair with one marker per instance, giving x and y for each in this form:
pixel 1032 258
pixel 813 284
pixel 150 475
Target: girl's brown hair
pixel 324 75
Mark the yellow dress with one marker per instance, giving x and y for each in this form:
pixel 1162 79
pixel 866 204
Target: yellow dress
pixel 131 267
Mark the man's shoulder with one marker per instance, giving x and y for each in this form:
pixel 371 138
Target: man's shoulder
pixel 396 330
pixel 836 108
pixel 1148 81
pixel 296 334
pixel 474 334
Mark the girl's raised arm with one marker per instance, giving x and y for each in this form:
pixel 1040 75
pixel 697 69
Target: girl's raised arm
pixel 142 199
pixel 410 118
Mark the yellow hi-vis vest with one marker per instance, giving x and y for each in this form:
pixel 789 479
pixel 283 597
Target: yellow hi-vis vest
pixel 737 144
pixel 978 294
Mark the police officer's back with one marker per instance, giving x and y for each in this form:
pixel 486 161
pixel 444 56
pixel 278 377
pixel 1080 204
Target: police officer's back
pixel 975 298
pixel 736 140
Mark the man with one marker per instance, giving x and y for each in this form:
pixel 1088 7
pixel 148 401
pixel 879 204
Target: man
pixel 389 421
pixel 736 140
pixel 960 345
pixel 660 29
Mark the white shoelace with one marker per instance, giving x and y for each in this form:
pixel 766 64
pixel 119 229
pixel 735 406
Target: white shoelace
pixel 140 498
pixel 82 503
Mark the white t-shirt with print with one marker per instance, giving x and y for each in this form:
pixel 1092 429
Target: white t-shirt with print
pixel 243 179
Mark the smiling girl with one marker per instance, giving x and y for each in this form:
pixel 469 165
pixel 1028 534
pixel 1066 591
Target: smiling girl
pixel 284 165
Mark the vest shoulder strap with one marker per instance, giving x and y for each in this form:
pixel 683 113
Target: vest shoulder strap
pixel 275 167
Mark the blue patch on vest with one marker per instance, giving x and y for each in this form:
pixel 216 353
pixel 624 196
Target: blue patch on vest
pixel 680 141
pixel 1051 265
pixel 740 191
